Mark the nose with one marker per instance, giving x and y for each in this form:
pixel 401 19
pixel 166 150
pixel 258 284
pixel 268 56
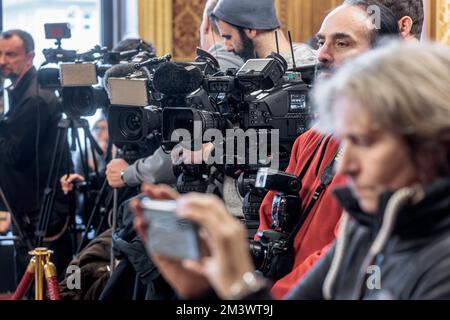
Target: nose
pixel 326 54
pixel 229 45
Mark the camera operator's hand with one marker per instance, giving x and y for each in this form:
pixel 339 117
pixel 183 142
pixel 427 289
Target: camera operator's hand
pixel 68 181
pixel 114 173
pixel 5 221
pixel 226 239
pixel 181 155
pixel 188 284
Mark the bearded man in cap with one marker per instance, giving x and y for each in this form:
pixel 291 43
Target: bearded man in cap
pixel 250 29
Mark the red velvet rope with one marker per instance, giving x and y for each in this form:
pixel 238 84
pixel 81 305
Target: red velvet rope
pixel 53 288
pixel 24 285
pixel 26 281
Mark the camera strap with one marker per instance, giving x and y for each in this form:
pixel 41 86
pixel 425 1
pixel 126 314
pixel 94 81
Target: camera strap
pixel 325 179
pixel 308 163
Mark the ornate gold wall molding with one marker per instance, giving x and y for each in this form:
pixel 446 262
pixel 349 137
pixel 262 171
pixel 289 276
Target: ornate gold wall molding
pixel 303 17
pixel 172 25
pixel 187 17
pixel 443 21
pixel 156 24
pixel 438 20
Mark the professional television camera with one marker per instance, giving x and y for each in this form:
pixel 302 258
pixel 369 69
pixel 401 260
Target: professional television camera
pixel 76 75
pixel 138 98
pixel 135 109
pixel 261 98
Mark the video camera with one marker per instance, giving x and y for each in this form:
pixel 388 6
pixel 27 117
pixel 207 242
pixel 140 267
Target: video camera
pixel 259 96
pixel 138 98
pixel 195 97
pixel 135 111
pixel 245 106
pixel 76 75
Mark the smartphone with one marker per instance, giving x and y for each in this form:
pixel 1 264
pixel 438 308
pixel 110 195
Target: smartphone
pixel 167 234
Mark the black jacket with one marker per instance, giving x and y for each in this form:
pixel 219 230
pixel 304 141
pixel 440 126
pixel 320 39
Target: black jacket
pixel 135 277
pixel 414 263
pixel 27 139
pixel 93 262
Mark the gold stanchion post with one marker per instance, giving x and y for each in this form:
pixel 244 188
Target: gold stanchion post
pixel 42 256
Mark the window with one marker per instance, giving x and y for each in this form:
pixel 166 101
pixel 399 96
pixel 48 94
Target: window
pixel 31 15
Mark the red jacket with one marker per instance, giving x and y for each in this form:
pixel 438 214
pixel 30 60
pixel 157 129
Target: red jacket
pixel 317 233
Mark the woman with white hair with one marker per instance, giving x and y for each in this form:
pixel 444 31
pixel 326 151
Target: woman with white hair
pixel 391 110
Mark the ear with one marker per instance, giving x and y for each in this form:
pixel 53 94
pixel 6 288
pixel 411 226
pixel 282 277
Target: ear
pixel 405 25
pixel 30 57
pixel 206 26
pixel 251 33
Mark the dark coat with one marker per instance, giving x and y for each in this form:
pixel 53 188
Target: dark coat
pixel 93 262
pixel 135 277
pixel 27 139
pixel 414 262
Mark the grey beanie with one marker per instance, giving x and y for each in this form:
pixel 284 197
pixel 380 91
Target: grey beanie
pixel 250 14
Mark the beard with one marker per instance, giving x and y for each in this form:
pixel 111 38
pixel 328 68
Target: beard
pixel 324 70
pixel 11 76
pixel 248 48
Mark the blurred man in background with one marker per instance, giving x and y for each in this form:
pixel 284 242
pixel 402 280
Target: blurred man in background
pixel 27 137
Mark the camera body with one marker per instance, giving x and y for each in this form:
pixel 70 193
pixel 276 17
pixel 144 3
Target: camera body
pixel 135 111
pixel 260 96
pixel 273 253
pixel 74 74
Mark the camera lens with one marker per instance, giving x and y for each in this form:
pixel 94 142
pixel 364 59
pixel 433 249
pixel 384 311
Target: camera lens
pixel 130 124
pixel 83 101
pixel 133 122
pixel 258 253
pixel 183 123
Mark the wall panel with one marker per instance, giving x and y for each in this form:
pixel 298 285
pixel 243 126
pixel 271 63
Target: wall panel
pixel 173 25
pixel 443 21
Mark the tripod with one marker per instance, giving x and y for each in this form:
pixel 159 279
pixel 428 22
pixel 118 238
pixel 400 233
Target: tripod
pixel 59 152
pixel 107 199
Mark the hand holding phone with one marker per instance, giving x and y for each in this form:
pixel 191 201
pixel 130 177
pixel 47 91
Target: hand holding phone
pixel 167 234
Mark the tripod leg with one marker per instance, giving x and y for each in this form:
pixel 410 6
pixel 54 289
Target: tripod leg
pixel 95 150
pixel 16 225
pixel 114 225
pixel 107 206
pixel 91 218
pixel 49 192
pixel 83 155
